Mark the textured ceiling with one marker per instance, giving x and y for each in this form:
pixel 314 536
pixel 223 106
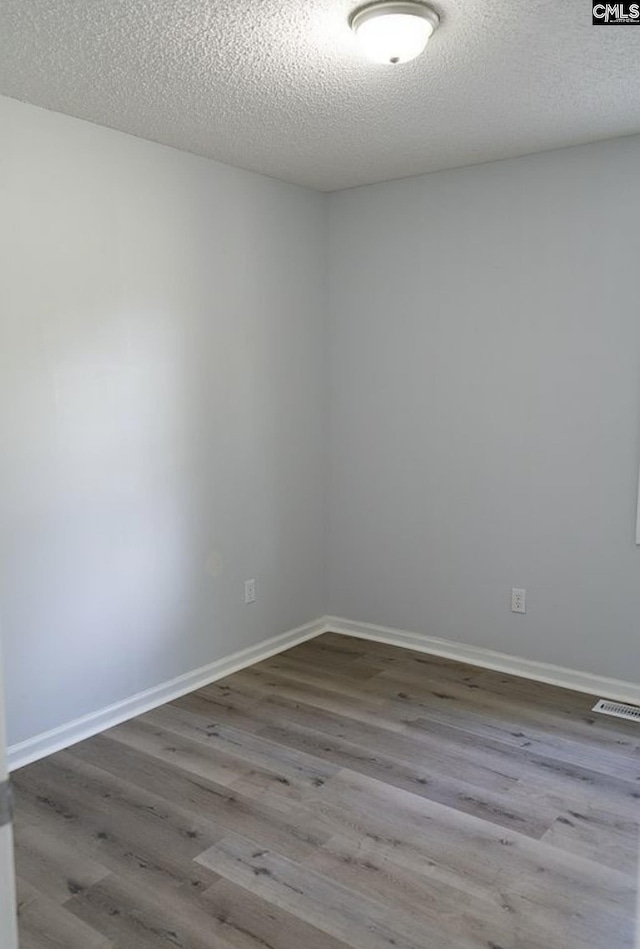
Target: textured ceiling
pixel 279 86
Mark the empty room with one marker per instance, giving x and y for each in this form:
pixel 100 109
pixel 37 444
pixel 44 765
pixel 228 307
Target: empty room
pixel 319 475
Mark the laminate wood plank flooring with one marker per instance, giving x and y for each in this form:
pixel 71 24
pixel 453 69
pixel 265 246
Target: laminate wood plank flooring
pixel 342 795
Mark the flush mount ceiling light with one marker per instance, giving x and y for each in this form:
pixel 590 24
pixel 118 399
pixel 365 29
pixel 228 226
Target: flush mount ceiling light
pixel 393 32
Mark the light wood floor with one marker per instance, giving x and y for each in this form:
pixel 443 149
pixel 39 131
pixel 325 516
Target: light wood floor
pixel 342 794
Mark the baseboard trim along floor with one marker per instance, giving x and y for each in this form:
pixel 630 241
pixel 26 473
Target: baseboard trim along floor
pixel 32 749
pixel 615 689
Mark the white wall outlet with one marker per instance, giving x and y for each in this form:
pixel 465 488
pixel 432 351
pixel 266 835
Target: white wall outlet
pixel 518 600
pixel 250 591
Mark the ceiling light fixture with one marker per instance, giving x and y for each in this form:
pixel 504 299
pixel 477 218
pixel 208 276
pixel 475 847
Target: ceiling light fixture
pixel 393 32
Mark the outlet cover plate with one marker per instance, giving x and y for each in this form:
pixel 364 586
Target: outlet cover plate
pixel 250 591
pixel 518 600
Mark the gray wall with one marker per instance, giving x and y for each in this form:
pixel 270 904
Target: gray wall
pixel 485 385
pixel 161 347
pixel 169 427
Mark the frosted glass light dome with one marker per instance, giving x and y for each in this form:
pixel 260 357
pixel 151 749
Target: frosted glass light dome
pixel 392 32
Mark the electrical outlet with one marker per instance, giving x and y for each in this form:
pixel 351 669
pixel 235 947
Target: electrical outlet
pixel 250 591
pixel 518 600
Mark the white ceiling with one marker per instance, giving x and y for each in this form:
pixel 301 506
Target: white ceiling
pixel 279 86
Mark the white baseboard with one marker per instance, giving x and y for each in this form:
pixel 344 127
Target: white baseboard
pixel 63 736
pixel 604 687
pixel 68 734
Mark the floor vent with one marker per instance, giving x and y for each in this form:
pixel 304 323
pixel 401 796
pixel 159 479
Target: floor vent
pixel 632 712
